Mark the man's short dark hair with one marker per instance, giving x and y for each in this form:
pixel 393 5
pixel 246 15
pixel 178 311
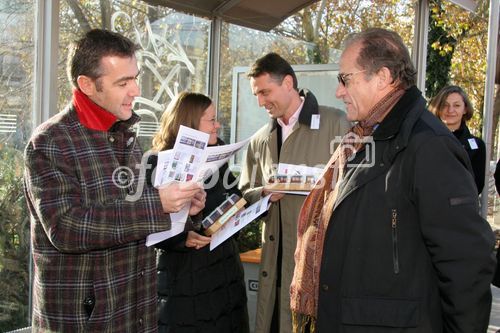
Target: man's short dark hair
pixel 85 55
pixel 274 65
pixel 384 48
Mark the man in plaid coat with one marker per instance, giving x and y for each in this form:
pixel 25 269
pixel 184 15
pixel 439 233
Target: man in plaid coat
pixel 90 213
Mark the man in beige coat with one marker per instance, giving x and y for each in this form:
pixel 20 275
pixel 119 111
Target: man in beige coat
pixel 300 132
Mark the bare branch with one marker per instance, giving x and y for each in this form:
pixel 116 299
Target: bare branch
pixel 79 15
pixel 106 14
pixel 319 16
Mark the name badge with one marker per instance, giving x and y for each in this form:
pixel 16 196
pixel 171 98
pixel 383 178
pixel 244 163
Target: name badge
pixel 315 121
pixel 473 144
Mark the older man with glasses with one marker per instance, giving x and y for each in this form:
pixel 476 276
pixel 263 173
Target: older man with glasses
pixel 393 241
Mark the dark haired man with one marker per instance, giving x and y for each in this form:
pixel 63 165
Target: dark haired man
pixel 399 243
pixel 89 219
pixel 300 132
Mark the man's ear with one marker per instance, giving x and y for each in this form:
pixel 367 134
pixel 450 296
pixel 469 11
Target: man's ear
pixel 384 78
pixel 288 81
pixel 86 85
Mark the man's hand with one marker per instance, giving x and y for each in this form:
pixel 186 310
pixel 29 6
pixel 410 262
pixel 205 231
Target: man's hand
pixel 175 195
pixel 196 240
pixel 274 196
pixel 198 202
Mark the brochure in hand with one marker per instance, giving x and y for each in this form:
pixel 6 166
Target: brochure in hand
pixel 190 160
pixel 294 179
pixel 291 183
pixel 222 214
pixel 239 221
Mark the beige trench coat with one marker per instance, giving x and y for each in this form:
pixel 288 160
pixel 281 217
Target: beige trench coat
pixel 304 145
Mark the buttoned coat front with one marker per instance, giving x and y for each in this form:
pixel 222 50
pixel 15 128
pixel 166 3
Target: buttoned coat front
pixel 90 218
pixel 304 145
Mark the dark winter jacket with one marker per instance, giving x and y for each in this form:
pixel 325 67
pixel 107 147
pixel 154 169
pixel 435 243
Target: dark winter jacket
pixel 202 291
pixel 476 149
pixel 406 249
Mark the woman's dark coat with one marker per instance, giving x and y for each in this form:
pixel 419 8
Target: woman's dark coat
pixel 405 249
pixel 202 291
pixel 476 149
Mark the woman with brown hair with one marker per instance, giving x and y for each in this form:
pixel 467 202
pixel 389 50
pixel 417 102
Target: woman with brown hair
pixel 198 290
pixel 453 107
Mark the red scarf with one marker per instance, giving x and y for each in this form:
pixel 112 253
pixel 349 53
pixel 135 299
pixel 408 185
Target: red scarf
pixel 315 215
pixel 90 114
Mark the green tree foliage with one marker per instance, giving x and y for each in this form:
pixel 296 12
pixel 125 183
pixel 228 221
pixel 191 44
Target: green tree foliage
pixel 14 243
pixel 327 23
pixel 457 53
pixel 16 68
pixel 439 51
pixel 250 237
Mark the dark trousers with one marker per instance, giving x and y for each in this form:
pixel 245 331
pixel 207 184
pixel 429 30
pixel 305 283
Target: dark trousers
pixel 275 320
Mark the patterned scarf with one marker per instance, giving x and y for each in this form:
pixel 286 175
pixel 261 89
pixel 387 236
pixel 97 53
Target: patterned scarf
pixel 316 213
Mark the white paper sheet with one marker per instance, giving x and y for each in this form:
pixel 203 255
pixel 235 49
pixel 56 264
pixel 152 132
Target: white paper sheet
pixel 218 155
pixel 182 163
pixel 164 159
pixel 190 160
pixel 298 169
pixel 239 221
pixel 214 158
pixel 155 238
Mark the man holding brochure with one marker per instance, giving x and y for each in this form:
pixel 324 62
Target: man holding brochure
pixel 300 132
pixel 89 214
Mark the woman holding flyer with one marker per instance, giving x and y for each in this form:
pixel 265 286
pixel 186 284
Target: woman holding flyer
pixel 198 290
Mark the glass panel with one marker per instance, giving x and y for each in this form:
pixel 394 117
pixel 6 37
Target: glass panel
pixel 16 85
pixel 173 57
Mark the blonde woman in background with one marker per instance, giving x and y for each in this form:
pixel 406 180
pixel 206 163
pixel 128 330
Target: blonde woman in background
pixel 453 107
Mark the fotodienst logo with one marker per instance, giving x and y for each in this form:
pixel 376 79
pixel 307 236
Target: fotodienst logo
pixel 125 178
pixel 352 142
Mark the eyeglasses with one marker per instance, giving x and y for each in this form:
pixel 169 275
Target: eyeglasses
pixel 344 78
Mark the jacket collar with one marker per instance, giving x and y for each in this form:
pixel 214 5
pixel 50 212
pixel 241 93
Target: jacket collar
pixel 120 125
pixel 462 131
pixel 399 123
pixel 393 122
pixel 123 125
pixel 309 108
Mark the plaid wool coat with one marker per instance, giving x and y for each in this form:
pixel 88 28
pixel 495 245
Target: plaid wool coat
pixel 93 272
